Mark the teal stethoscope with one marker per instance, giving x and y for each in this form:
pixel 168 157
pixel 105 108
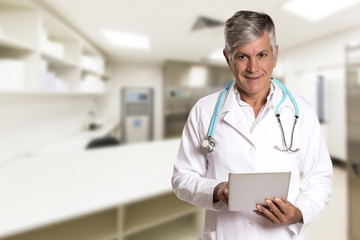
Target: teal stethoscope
pixel 208 144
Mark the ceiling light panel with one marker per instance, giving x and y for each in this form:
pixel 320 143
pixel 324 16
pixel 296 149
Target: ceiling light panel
pixel 217 55
pixel 315 10
pixel 127 40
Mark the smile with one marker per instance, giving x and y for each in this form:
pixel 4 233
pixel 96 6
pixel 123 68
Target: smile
pixel 252 78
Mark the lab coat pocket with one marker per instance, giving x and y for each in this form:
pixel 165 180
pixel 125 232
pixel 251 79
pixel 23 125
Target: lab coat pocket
pixel 287 161
pixel 208 236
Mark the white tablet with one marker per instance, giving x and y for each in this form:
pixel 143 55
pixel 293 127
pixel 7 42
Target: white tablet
pixel 248 189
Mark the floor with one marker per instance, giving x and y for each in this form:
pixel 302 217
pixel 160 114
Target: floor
pixel 331 224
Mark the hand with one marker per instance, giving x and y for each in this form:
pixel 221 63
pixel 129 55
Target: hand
pixel 279 212
pixel 221 192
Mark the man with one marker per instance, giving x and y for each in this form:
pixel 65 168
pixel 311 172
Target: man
pixel 249 139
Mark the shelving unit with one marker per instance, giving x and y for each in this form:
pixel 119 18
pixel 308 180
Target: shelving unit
pixel 11 43
pixel 51 53
pixel 147 216
pixel 179 229
pixel 160 218
pixel 24 29
pixel 97 226
pixel 113 204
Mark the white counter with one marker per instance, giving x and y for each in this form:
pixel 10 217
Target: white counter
pixel 78 141
pixel 49 188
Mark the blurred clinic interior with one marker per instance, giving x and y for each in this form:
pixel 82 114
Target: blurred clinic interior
pixel 94 96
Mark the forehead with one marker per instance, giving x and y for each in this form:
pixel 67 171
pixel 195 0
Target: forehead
pixel 258 45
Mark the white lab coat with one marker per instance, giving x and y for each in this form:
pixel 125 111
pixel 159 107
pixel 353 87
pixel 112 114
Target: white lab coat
pixel 238 150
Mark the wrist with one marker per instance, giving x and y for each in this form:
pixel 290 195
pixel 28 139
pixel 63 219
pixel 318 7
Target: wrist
pixel 300 216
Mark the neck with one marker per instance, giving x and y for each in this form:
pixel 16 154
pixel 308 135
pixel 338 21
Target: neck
pixel 255 101
pixel 256 105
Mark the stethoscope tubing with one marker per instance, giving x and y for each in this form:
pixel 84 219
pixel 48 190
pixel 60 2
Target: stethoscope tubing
pixel 215 114
pixel 286 93
pixel 209 141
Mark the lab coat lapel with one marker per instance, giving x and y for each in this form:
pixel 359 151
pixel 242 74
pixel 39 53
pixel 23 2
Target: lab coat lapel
pixel 234 117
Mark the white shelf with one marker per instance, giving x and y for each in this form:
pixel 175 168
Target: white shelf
pixel 180 229
pixel 147 214
pixel 29 33
pixel 15 44
pixel 58 61
pixel 98 226
pixel 90 71
pixel 50 93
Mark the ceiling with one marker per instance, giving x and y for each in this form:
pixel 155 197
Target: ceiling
pixel 169 23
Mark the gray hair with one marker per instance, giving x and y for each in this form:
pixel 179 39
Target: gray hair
pixel 247 26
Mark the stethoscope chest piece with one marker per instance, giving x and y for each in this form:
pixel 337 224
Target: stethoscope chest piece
pixel 208 144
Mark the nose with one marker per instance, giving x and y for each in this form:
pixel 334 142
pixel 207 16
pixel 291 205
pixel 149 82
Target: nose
pixel 252 65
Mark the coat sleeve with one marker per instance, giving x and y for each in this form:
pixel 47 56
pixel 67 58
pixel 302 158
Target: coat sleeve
pixel 317 173
pixel 189 179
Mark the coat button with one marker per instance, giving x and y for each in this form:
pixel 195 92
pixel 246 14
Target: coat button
pixel 252 223
pixel 252 149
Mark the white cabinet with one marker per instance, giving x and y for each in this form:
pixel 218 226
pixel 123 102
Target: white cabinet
pixel 41 54
pixel 163 217
pixel 159 218
pixel 104 195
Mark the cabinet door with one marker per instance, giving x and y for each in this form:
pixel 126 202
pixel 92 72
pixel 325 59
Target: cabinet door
pixel 353 145
pixel 354 164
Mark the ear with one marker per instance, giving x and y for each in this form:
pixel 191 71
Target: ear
pixel 276 55
pixel 226 57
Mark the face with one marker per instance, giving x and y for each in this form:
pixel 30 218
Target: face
pixel 252 65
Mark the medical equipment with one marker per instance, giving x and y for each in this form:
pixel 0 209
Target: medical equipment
pixel 208 144
pixel 136 114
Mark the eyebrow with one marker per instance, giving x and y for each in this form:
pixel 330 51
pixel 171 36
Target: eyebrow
pixel 237 52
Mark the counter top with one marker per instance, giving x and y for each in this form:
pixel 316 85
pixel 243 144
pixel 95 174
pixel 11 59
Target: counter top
pixel 53 187
pixel 78 141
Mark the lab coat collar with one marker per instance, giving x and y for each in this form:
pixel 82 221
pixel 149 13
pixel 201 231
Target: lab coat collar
pixel 230 100
pixel 268 98
pixel 232 114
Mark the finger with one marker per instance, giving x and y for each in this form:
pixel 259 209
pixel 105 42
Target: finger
pixel 226 194
pixel 259 213
pixel 267 213
pixel 274 207
pixel 276 211
pixel 223 197
pixel 283 206
pixel 291 213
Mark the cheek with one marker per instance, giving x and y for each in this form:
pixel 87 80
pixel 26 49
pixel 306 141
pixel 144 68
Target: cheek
pixel 237 68
pixel 268 66
pixel 234 69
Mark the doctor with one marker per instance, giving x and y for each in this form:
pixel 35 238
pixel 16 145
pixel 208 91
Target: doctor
pixel 248 139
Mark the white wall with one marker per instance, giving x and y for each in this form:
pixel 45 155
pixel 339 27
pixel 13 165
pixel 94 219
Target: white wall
pixel 135 75
pixel 324 57
pixel 29 121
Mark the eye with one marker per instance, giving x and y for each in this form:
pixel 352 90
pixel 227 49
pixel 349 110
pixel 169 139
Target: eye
pixel 262 55
pixel 240 57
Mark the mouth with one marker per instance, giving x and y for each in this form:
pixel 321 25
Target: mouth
pixel 252 78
